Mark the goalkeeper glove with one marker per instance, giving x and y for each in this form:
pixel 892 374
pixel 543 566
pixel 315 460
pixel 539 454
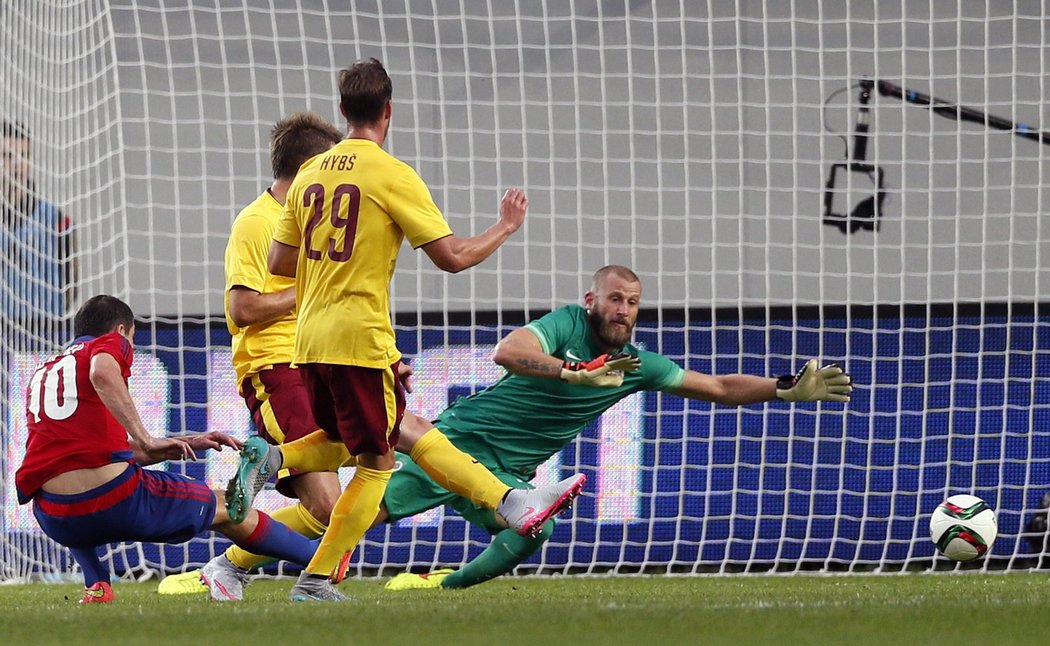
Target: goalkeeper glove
pixel 605 371
pixel 812 384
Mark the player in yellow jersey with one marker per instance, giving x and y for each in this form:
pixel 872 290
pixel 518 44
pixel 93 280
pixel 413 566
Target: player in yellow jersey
pixel 347 213
pixel 260 315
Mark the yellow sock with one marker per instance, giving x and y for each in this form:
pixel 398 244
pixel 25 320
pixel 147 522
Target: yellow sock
pixel 315 452
pixel 456 471
pixel 354 513
pixel 296 517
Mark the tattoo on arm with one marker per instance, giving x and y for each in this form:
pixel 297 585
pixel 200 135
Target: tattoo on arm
pixel 539 366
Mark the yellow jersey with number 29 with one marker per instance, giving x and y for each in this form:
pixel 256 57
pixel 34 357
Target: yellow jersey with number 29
pixel 348 211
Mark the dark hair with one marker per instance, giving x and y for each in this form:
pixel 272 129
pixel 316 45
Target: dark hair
pixel 364 89
pixel 15 130
pixel 299 137
pixel 101 315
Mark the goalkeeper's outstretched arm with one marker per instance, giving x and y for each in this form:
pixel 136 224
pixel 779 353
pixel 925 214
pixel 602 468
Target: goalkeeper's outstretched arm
pixel 520 353
pixel 828 383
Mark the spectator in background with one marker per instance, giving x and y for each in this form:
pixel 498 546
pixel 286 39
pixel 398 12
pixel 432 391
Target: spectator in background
pixel 37 269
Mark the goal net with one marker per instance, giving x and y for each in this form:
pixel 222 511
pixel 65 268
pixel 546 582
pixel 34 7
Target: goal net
pixel 689 140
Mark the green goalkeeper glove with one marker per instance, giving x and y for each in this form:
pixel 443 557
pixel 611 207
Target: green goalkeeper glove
pixel 812 384
pixel 605 371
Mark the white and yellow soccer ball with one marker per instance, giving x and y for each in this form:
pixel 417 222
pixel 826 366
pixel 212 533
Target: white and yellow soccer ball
pixel 963 527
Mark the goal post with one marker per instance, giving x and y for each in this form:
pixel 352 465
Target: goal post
pixel 689 140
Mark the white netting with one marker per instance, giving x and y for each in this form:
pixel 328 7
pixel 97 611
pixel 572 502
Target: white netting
pixel 64 232
pixel 689 140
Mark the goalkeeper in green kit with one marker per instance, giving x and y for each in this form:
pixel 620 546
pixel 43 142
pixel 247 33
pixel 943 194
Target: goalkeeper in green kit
pixel 564 370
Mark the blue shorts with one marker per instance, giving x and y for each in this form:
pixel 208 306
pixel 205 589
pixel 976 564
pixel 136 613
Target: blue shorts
pixel 138 505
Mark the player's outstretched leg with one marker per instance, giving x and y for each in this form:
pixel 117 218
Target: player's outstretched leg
pixel 413 581
pixel 525 510
pixel 315 588
pixel 225 580
pixel 259 461
pixel 506 551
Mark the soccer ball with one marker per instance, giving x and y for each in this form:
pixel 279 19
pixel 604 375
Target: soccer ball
pixel 963 527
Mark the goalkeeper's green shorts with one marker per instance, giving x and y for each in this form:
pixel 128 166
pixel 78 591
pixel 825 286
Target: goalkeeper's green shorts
pixel 411 491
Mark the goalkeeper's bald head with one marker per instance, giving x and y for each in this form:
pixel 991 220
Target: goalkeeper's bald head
pixel 612 270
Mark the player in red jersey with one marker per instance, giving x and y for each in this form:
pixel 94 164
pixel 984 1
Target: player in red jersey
pixel 85 478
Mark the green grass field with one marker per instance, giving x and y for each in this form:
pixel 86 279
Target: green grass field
pixel 840 609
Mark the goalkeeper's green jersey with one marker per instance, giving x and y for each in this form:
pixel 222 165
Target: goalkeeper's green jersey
pixel 518 423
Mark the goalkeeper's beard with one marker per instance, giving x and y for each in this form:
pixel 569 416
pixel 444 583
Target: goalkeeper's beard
pixel 609 333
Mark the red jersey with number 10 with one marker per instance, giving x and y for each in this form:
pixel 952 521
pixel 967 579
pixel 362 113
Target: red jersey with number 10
pixel 69 426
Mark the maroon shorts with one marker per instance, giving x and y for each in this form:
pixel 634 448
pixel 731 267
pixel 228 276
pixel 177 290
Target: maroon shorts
pixel 361 406
pixel 280 408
